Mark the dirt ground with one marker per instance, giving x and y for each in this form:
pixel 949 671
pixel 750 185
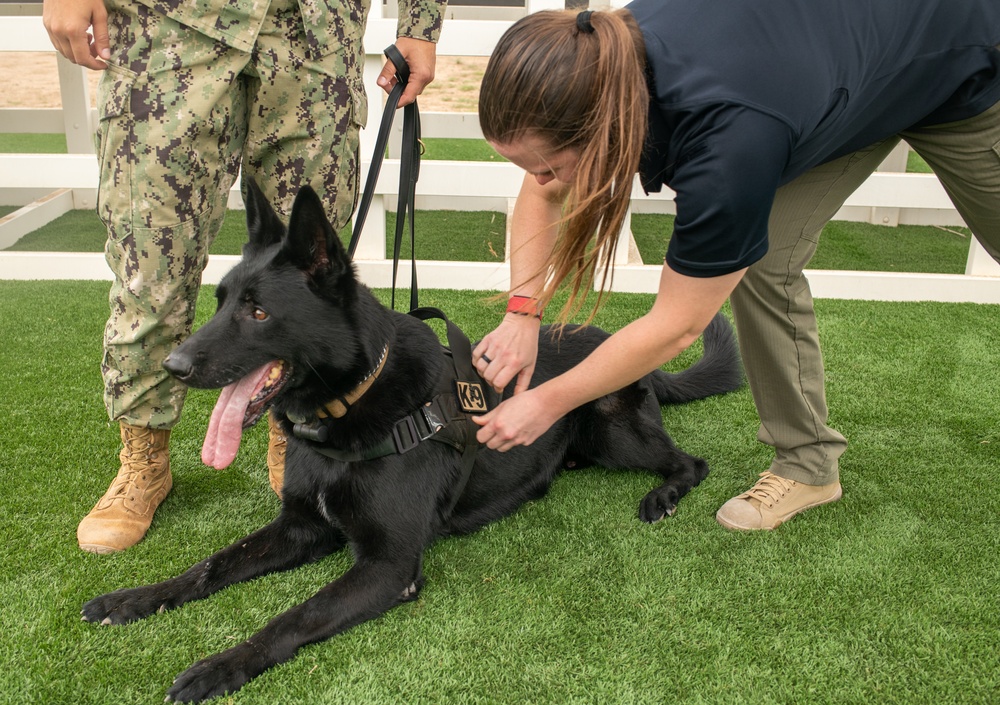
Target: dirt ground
pixel 31 80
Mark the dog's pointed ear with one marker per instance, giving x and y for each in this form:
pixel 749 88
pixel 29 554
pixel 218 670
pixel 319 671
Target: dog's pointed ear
pixel 312 245
pixel 263 224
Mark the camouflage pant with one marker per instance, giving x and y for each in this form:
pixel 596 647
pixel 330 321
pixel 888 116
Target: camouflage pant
pixel 181 114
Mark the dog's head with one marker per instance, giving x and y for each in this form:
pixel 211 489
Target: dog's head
pixel 287 330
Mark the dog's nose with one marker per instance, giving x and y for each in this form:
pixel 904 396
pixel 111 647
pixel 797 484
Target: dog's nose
pixel 179 365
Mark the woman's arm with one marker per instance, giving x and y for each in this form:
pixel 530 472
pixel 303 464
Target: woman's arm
pixel 511 349
pixel 683 308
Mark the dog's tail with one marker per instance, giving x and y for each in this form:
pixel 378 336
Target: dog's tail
pixel 718 371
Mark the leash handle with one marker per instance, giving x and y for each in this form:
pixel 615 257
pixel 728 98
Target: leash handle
pixel 409 170
pixel 399 63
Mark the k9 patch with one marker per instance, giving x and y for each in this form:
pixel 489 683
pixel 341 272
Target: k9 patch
pixel 471 399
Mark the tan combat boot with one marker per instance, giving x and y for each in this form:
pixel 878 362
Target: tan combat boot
pixel 277 444
pixel 122 516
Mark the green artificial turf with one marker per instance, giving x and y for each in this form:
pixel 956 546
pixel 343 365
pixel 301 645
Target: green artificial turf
pixel 32 143
pixel 462 150
pixel 846 245
pixel 434 147
pixel 448 235
pixel 888 596
pixel 915 164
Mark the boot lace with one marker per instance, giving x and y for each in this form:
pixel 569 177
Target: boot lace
pixel 137 458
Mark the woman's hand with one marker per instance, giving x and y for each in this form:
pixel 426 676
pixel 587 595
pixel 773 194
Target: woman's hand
pixel 68 22
pixel 518 421
pixel 509 351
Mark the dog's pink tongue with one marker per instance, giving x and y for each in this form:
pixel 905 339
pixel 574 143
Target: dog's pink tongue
pixel 225 428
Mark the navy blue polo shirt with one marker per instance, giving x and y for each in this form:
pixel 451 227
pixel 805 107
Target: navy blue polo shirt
pixel 746 95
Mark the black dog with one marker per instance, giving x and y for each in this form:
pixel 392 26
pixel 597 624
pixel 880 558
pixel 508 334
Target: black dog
pixel 294 330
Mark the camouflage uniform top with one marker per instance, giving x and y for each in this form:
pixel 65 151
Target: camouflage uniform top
pixel 236 22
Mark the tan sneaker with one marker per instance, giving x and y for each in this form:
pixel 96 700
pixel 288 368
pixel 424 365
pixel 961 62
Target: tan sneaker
pixel 772 501
pixel 122 516
pixel 277 445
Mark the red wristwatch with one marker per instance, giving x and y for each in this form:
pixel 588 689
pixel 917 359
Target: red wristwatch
pixel 524 306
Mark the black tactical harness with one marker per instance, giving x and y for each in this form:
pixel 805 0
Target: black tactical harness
pixel 447 418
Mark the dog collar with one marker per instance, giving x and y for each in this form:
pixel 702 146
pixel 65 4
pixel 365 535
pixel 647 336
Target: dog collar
pixel 338 407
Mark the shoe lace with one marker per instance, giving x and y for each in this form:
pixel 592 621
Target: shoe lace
pixel 769 489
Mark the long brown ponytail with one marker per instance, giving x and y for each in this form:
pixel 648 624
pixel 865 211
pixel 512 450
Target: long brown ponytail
pixel 552 77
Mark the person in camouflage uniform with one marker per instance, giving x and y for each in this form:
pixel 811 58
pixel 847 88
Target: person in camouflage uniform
pixel 193 91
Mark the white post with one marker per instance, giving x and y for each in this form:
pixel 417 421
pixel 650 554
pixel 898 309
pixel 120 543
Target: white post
pixel 75 107
pixel 895 162
pixel 980 263
pixel 624 246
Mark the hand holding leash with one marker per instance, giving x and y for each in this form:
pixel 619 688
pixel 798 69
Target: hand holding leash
pixel 420 57
pixel 409 168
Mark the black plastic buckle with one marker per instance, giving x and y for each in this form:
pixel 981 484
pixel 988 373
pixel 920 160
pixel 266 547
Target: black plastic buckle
pixel 434 415
pixel 404 434
pixel 423 423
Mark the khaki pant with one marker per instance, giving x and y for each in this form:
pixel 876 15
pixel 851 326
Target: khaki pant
pixel 773 306
pixel 181 114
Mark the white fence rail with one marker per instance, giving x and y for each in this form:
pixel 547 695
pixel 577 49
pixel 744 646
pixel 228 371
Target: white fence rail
pixel 45 186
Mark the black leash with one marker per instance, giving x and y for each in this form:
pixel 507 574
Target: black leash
pixel 409 170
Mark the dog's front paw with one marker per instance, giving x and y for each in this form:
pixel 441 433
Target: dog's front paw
pixel 659 504
pixel 124 606
pixel 217 675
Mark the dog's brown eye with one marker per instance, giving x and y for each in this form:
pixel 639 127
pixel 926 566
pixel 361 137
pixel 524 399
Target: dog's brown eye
pixel 260 314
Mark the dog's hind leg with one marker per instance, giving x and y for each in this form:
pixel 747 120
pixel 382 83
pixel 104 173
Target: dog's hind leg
pixel 624 434
pixel 367 590
pixel 289 541
pixel 652 449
